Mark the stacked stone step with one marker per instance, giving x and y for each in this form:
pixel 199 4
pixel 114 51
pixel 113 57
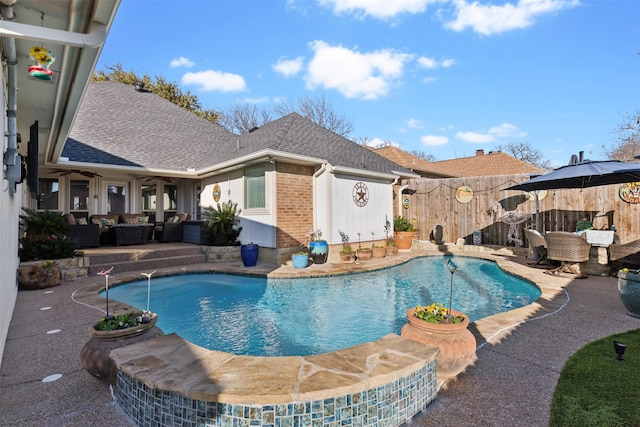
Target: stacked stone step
pixel 146 260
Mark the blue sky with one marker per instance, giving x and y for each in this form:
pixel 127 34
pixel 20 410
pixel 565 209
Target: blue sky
pixel 446 77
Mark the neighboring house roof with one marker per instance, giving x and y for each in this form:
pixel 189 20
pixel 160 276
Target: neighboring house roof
pixel 420 166
pixel 493 163
pixel 119 126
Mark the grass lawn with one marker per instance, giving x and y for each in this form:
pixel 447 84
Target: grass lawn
pixel 595 389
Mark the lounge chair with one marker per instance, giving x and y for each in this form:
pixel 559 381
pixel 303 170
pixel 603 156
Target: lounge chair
pixel 537 246
pixel 624 255
pixel 569 249
pixel 171 229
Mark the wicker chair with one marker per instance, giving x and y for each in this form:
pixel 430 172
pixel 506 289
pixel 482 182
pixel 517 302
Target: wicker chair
pixel 623 255
pixel 569 249
pixel 537 246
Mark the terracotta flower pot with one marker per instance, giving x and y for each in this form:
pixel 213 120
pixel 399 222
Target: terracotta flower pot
pixel 347 257
pixel 364 254
pixel 456 343
pixel 391 250
pixel 95 353
pixel 378 252
pixel 404 239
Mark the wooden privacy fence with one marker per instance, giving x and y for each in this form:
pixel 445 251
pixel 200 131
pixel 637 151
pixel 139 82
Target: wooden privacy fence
pixel 487 212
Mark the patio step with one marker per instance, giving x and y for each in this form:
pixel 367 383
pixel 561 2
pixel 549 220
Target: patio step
pixel 142 259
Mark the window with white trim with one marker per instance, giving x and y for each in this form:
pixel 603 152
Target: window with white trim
pixel 254 188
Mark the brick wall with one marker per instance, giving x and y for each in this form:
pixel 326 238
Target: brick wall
pixel 294 204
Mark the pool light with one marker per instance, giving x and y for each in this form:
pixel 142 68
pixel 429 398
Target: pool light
pixel 619 348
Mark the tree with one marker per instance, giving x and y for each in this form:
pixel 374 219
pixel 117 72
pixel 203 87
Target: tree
pixel 318 111
pixel 242 118
pixel 160 86
pixel 422 155
pixel 627 144
pixel 524 151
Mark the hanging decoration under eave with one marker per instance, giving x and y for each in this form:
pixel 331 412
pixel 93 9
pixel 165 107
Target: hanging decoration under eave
pixel 43 59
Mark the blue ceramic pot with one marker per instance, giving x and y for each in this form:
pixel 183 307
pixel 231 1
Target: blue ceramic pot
pixel 300 260
pixel 249 255
pixel 319 251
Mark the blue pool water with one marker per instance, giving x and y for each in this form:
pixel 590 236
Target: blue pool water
pixel 286 317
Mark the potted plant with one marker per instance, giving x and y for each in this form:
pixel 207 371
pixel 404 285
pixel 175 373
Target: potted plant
pixel 403 232
pixel 391 247
pixel 378 251
pixel 347 254
pixel 444 328
pixel 300 259
pixel 40 276
pixel 111 332
pixel 364 253
pixel 318 248
pixel 629 290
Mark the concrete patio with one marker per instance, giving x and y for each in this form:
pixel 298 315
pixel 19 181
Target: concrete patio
pixel 520 353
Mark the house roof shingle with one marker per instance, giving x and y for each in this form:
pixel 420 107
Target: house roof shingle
pixel 420 166
pixel 492 163
pixel 119 126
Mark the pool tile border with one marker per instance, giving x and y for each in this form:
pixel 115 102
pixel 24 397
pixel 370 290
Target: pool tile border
pixel 391 404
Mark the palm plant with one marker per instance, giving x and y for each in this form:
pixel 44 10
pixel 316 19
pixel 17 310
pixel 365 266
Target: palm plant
pixel 46 236
pixel 221 224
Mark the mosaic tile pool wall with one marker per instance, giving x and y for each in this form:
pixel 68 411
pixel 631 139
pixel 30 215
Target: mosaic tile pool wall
pixel 389 405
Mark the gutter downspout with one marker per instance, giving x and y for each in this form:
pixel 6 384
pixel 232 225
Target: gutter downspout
pixel 11 159
pixel 316 175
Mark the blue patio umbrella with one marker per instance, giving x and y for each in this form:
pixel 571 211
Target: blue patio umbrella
pixel 581 175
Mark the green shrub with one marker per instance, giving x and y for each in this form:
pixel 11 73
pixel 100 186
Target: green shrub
pixel 46 236
pixel 221 224
pixel 401 223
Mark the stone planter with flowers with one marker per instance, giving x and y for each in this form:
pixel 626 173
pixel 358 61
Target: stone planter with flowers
pixel 442 327
pixel 112 332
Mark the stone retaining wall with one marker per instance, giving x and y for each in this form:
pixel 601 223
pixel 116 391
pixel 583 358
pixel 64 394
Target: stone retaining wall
pixel 222 253
pixel 71 268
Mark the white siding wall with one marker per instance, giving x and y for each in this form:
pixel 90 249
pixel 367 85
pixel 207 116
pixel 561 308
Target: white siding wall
pixel 353 219
pixel 258 226
pixel 10 204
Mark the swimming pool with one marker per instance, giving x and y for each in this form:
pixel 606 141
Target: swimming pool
pixel 285 317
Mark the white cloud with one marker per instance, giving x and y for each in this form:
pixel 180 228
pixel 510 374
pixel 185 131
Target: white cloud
pixel 448 63
pixel 181 62
pixel 474 137
pixel 428 80
pixel 432 64
pixel 261 100
pixel 433 140
pixel 381 9
pixel 428 63
pixel 288 67
pixel 507 130
pixel 211 80
pixel 414 124
pixel 503 130
pixel 491 19
pixel 354 74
